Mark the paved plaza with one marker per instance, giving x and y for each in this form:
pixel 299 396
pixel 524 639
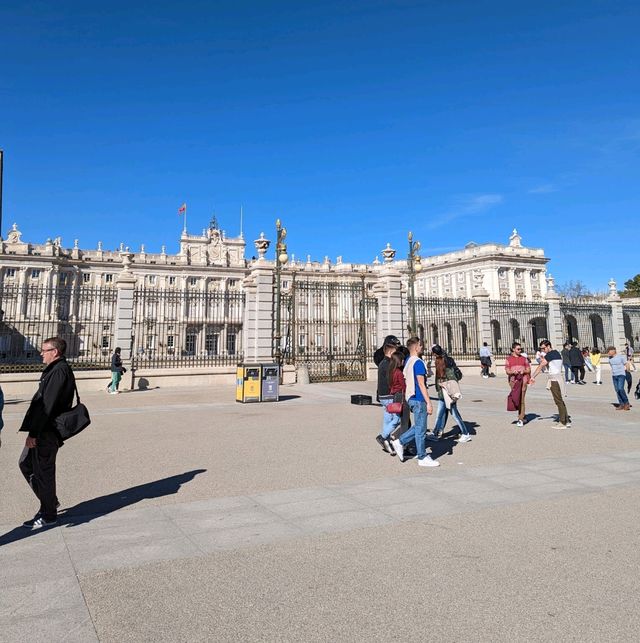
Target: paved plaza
pixel 189 517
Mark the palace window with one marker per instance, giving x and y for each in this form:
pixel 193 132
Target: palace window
pixel 172 281
pixel 10 273
pixel 35 274
pixel 108 279
pixel 231 343
pixel 86 278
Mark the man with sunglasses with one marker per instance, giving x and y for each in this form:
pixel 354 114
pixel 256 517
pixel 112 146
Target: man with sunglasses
pixel 38 461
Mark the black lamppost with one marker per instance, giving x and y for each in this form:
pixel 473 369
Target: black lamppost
pixel 281 260
pixel 415 265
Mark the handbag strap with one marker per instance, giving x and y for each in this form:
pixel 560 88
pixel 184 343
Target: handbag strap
pixel 75 386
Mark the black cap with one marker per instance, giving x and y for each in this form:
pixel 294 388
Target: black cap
pixel 436 349
pixel 391 340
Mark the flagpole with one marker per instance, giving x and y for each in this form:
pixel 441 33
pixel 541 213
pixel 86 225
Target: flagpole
pixel 184 229
pixel 241 222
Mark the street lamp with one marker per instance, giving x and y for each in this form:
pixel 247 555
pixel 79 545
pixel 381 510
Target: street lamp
pixel 415 265
pixel 281 260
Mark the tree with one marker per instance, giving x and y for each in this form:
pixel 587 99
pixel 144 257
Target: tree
pixel 631 287
pixel 573 290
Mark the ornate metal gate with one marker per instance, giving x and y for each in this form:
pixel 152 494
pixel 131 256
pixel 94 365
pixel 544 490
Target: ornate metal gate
pixel 330 327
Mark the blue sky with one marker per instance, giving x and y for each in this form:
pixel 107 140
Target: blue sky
pixel 353 122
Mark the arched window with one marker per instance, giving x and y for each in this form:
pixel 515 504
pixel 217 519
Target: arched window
pixel 496 335
pixel 515 330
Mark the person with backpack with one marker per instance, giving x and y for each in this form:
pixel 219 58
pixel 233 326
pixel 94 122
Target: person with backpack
pixel 117 371
pixel 38 460
pixel 448 376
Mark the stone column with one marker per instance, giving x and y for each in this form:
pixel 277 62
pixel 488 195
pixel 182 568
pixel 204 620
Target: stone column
pixel 257 327
pixel 555 326
pixel 483 319
pixel 617 317
pixel 125 284
pixel 388 292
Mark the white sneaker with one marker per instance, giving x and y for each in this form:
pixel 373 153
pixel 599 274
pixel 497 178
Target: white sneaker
pixel 519 423
pixel 427 461
pixel 399 449
pixel 464 438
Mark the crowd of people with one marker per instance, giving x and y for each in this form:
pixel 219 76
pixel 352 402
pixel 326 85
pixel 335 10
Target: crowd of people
pixel 403 373
pixel 402 390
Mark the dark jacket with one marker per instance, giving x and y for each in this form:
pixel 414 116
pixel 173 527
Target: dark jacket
pixel 53 397
pixel 116 363
pixel 575 357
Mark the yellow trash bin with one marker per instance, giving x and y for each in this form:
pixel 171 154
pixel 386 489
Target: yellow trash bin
pixel 248 383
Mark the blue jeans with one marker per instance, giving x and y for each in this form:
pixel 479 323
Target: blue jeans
pixel 419 428
pixel 618 384
pixel 443 415
pixel 389 421
pixel 568 373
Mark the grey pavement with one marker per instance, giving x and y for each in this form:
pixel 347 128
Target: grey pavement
pixel 187 516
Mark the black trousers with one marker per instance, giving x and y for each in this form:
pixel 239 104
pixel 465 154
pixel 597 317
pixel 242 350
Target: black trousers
pixel 39 469
pixel 578 373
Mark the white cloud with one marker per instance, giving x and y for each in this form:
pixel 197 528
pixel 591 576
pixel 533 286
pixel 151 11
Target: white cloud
pixel 466 207
pixel 545 188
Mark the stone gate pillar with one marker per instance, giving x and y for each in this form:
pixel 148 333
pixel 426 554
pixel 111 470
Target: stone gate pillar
pixel 483 318
pixel 257 327
pixel 125 284
pixel 388 292
pixel 555 326
pixel 617 317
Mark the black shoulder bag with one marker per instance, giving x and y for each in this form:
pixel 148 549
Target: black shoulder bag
pixel 74 421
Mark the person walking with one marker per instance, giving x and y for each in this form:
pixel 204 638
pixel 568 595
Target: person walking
pixel 577 364
pixel 485 360
pixel 38 461
pixel 386 396
pixel 418 399
pixel 596 358
pixel 518 371
pixel 552 360
pixel 448 389
pixel 117 370
pixel 618 374
pixel 629 367
pixel 566 363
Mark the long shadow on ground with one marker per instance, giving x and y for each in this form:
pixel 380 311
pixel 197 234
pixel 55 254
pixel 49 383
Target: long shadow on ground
pixel 86 511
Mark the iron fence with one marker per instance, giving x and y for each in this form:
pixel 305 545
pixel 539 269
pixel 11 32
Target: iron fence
pixel 186 328
pixel 587 324
pixel 84 316
pixel 452 323
pixel 329 326
pixel 517 321
pixel 631 318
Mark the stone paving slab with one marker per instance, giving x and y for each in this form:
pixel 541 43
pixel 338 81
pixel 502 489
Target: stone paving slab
pixel 188 476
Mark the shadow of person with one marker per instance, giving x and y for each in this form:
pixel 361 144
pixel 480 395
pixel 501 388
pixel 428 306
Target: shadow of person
pixel 87 510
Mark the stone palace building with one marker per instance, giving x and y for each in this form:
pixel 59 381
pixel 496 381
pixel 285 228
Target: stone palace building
pixel 210 305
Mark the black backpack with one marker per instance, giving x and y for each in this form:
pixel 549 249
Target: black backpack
pixel 451 363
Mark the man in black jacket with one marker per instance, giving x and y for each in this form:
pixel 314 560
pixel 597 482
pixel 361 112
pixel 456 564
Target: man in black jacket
pixel 577 363
pixel 38 461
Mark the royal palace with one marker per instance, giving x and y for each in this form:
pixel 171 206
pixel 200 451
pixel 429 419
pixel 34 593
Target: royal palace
pixel 211 306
